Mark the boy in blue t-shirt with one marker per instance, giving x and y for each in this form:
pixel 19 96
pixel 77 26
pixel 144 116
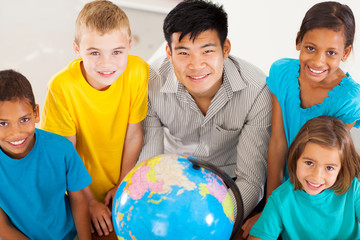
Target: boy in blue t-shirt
pixel 36 169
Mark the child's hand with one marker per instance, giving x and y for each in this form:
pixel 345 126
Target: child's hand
pixel 100 216
pixel 110 196
pixel 246 227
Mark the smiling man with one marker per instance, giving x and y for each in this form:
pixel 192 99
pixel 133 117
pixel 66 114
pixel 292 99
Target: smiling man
pixel 206 103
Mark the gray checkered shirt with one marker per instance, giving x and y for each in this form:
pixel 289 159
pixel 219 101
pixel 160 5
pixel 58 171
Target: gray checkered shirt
pixel 233 135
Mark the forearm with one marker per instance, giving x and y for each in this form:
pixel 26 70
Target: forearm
pixel 7 230
pixel 275 167
pixel 11 233
pixel 132 147
pixel 80 211
pixel 251 195
pixel 253 238
pixel 251 165
pixel 277 149
pixel 89 195
pixel 130 156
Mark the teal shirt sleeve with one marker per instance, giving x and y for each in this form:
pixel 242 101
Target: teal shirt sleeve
pixel 269 226
pixel 77 177
pixel 348 109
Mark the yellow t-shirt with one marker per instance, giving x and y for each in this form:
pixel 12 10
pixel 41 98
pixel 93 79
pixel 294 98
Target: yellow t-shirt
pixel 98 118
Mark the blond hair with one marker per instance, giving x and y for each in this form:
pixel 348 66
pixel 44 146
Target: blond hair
pixel 102 16
pixel 328 132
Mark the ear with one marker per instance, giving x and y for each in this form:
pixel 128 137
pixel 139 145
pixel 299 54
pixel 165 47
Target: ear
pixel 346 53
pixel 130 42
pixel 298 44
pixel 37 113
pixel 226 48
pixel 168 52
pixel 76 49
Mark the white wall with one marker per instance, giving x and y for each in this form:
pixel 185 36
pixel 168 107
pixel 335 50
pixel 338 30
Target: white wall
pixel 264 31
pixel 36 36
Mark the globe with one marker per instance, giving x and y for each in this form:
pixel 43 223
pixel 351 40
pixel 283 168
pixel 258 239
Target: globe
pixel 173 197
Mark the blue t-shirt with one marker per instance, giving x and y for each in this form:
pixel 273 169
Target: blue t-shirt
pixel 343 101
pixel 33 188
pixel 298 215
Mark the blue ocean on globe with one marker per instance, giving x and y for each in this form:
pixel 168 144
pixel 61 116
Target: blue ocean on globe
pixel 166 198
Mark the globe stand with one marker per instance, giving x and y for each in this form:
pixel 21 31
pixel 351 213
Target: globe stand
pixel 229 182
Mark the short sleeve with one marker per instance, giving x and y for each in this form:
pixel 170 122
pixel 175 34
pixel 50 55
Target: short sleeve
pixel 283 75
pixel 140 75
pixel 271 79
pixel 77 177
pixel 269 226
pixel 55 116
pixel 349 110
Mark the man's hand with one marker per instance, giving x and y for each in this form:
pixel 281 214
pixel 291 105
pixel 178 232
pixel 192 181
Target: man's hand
pixel 246 227
pixel 100 216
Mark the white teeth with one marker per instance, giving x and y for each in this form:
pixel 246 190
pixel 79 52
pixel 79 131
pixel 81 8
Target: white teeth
pixel 314 185
pixel 314 71
pixel 198 77
pixel 106 72
pixel 18 142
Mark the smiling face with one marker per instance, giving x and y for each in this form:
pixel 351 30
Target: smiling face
pixel 17 127
pixel 321 51
pixel 104 56
pixel 199 63
pixel 317 168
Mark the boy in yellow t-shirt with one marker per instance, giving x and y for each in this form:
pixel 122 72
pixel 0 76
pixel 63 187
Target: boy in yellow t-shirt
pixel 98 102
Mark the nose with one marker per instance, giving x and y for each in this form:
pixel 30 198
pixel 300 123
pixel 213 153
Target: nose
pixel 196 61
pixel 105 60
pixel 317 173
pixel 14 130
pixel 319 59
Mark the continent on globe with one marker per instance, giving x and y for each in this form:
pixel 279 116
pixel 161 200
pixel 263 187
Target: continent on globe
pixel 165 197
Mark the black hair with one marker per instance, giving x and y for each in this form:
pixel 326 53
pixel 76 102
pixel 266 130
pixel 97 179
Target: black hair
pixel 194 17
pixel 15 86
pixel 331 15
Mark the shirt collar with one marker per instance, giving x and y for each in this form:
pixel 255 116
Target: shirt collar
pixel 171 83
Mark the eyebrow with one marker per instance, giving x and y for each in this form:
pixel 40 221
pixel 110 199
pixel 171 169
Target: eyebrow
pixel 311 43
pixel 203 46
pixel 96 49
pixel 208 45
pixel 328 164
pixel 26 115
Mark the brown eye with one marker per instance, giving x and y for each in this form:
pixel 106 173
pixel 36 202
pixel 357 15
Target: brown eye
pixel 311 49
pixel 309 163
pixel 25 120
pixel 329 168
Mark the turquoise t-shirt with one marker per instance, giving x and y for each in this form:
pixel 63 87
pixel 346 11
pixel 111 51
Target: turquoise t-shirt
pixel 298 215
pixel 33 188
pixel 343 101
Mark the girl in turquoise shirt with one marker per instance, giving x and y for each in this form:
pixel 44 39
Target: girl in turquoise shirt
pixel 321 200
pixel 311 86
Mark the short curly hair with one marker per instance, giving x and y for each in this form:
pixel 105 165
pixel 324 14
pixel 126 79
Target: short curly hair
pixel 15 86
